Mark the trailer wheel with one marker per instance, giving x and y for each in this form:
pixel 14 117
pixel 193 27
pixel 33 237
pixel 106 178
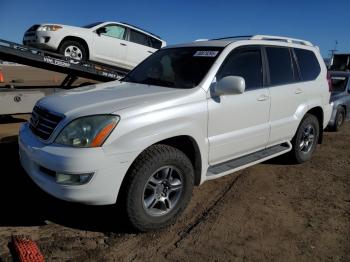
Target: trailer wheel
pixel 73 49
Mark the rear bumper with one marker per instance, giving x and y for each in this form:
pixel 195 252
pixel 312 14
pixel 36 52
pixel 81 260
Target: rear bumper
pixel 328 113
pixel 333 116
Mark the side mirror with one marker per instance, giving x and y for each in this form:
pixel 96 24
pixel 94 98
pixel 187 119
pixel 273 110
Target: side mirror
pixel 230 85
pixel 101 30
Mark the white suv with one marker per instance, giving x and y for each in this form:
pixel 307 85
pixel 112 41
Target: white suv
pixel 187 114
pixel 114 43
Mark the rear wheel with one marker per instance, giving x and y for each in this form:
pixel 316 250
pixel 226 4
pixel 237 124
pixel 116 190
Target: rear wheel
pixel 158 187
pixel 306 139
pixel 73 49
pixel 339 119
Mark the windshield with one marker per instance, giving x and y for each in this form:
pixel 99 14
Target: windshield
pixel 339 83
pixel 92 25
pixel 183 67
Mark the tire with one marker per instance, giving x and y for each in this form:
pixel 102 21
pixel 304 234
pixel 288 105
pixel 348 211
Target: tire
pixel 306 139
pixel 76 49
pixel 143 184
pixel 339 119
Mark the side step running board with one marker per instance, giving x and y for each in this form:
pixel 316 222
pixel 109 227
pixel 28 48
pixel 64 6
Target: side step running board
pixel 248 160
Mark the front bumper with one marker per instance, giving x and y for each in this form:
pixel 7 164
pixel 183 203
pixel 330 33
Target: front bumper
pixel 41 39
pixel 109 169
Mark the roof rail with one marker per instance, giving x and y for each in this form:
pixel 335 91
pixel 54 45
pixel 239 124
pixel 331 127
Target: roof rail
pixel 281 38
pixel 234 37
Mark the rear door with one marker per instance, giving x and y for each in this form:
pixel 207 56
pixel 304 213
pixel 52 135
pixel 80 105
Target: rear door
pixel 288 93
pixel 239 124
pixel 139 48
pixel 111 47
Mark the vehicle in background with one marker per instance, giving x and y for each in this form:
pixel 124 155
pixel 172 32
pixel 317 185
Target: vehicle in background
pixel 340 62
pixel 114 43
pixel 340 98
pixel 187 114
pixel 19 96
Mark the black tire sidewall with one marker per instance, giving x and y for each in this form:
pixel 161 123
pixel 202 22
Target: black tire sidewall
pixel 148 163
pixel 340 112
pixel 300 156
pixel 65 44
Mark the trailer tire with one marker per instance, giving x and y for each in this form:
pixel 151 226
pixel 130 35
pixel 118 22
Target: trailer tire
pixel 73 49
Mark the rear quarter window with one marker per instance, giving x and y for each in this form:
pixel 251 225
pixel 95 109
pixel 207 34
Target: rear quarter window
pixel 155 43
pixel 308 64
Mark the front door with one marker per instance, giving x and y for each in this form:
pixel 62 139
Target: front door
pixel 110 46
pixel 239 124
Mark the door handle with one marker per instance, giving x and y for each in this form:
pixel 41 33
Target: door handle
pixel 263 98
pixel 299 91
pixel 123 44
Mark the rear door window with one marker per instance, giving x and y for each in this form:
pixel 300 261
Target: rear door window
pixel 308 64
pixel 138 37
pixel 280 65
pixel 246 63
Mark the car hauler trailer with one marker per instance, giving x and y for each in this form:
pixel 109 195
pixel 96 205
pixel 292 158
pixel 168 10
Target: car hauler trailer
pixel 21 99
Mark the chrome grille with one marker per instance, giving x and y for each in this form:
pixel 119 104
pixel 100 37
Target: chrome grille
pixel 42 122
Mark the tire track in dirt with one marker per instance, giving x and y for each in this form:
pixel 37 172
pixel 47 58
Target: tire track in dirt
pixel 206 213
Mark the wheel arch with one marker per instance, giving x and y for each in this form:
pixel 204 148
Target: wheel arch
pixel 318 113
pixel 345 108
pixel 190 148
pixel 77 39
pixel 185 144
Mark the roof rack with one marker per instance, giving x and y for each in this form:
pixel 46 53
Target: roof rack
pixel 267 37
pixel 281 38
pixel 141 29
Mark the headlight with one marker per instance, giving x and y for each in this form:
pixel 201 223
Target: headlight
pixel 88 131
pixel 49 28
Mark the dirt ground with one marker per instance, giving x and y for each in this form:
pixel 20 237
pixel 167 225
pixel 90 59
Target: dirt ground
pixel 273 211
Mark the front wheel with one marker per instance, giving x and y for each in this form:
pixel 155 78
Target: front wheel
pixel 306 139
pixel 158 187
pixel 73 49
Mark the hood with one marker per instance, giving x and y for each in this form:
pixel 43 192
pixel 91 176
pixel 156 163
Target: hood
pixel 108 98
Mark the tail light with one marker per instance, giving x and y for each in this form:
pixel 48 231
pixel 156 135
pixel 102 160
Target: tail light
pixel 329 80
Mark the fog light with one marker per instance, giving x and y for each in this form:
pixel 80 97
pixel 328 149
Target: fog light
pixel 73 179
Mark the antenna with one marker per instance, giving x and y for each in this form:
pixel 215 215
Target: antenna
pixel 332 51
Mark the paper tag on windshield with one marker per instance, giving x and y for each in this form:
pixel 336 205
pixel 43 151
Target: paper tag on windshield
pixel 206 53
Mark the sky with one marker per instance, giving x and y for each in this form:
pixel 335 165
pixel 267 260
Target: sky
pixel 321 22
